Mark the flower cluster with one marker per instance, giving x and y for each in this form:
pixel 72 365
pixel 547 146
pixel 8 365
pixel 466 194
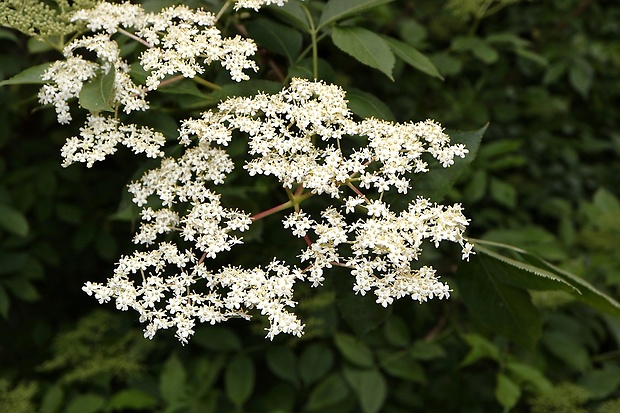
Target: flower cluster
pixel 178 40
pixel 296 136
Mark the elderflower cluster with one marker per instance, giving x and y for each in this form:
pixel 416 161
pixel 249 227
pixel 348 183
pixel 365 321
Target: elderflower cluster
pixel 297 136
pixel 257 4
pixel 178 40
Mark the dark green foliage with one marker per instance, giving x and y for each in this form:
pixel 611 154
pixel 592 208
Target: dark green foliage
pixel 532 323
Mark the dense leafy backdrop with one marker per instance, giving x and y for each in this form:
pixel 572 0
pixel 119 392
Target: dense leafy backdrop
pixel 543 75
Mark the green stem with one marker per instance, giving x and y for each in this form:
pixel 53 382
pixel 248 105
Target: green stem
pixel 313 38
pixel 222 10
pixel 206 83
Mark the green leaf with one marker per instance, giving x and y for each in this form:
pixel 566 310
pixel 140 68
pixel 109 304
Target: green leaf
pixel 361 312
pixel 354 350
pixel 436 183
pixel 327 393
pixel 413 57
pixel 581 75
pixel 605 201
pixel 52 400
pixel 283 363
pixel 581 289
pixel 566 348
pixel 602 382
pixel 22 288
pixel 369 386
pixel 85 403
pixel 477 46
pixel 397 332
pixel 402 366
pixel 503 193
pixel 520 274
pixel 504 309
pixel 291 13
pixel 32 75
pixel 276 37
pixel 217 338
pixel 507 392
pixel 336 10
pixel 172 379
pixel 96 95
pixel 315 362
pixel 365 46
pixel 365 105
pixel 131 399
pixel 13 221
pixel 525 373
pixel 5 302
pixel 426 350
pixel 239 379
pixel 480 348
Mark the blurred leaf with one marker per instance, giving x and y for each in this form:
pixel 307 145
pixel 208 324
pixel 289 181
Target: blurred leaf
pixel 402 366
pixel 525 373
pixel 276 37
pixel 5 302
pixel 361 312
pixel 336 10
pixel 327 393
pixel 13 221
pixel 291 13
pixel 217 338
pixel 504 309
pixel 96 95
pixel 370 387
pixel 22 288
pixel 480 348
pixel 477 46
pixel 581 75
pixel 436 183
pixel 354 350
pixel 476 187
pixel 507 392
pixel 365 46
pixel 413 57
pixel 503 193
pixel 570 351
pixel 426 350
pixel 366 105
pixel 172 383
pixel 131 399
pixel 283 363
pixel 52 400
pixel 32 75
pixel 605 201
pixel 85 403
pixel 396 332
pixel 239 379
pixel 316 360
pixel 603 382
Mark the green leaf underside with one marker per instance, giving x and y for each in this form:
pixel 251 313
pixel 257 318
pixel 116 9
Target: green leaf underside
pixel 32 75
pixel 96 95
pixel 291 13
pixel 502 308
pixel 336 10
pixel 533 266
pixel 365 46
pixel 413 57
